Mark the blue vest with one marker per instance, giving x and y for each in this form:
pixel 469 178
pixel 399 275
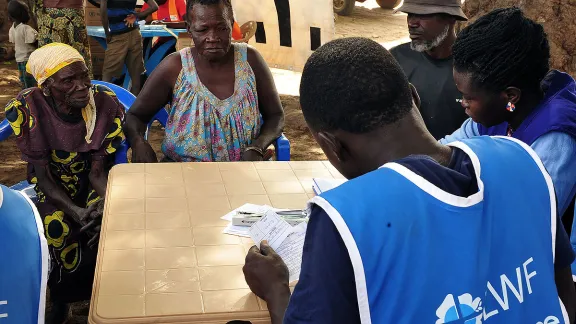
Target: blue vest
pixel 556 112
pixel 24 260
pixel 422 255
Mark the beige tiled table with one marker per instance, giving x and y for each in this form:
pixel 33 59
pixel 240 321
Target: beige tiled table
pixel 162 255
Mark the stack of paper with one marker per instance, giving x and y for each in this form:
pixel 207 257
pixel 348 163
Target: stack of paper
pixel 248 208
pixel 286 240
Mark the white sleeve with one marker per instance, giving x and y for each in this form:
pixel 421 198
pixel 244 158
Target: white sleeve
pixel 30 35
pixel 11 34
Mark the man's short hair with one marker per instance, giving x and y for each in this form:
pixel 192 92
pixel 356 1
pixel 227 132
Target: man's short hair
pixel 355 85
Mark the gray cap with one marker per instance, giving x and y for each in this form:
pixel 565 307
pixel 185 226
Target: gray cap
pixel 429 7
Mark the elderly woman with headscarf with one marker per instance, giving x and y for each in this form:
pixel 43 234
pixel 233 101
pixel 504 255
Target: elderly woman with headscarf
pixel 67 131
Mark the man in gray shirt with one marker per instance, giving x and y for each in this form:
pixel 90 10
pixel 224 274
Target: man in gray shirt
pixel 427 61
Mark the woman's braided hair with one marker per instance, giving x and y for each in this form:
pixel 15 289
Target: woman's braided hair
pixel 502 49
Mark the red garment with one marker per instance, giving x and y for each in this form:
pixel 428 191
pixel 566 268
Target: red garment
pixel 163 12
pixel 236 32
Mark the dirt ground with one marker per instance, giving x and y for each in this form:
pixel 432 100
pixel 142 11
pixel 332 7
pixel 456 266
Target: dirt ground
pixel 368 20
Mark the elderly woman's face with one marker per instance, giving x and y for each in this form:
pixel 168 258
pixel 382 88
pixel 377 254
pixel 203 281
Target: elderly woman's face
pixel 211 30
pixel 70 85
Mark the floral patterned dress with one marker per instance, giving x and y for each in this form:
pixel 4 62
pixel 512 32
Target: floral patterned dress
pixel 203 128
pixel 63 25
pixel 46 139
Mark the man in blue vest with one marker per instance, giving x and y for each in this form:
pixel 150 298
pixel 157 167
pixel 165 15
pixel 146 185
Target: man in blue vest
pixel 422 232
pixel 24 260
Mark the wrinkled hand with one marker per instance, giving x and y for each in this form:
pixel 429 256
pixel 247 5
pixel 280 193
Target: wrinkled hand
pixel 130 20
pixel 83 215
pixel 252 155
pixel 92 228
pixel 265 272
pixel 142 152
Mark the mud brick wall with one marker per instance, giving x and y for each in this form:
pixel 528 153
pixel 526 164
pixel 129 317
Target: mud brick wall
pixel 557 16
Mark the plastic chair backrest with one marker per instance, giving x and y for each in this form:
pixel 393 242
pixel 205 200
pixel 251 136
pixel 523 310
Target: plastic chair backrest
pixel 125 97
pixel 5 130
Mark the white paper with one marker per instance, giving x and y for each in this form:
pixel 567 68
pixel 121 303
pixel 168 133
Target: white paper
pixel 322 185
pixel 291 251
pixel 243 231
pixel 271 228
pixel 286 240
pixel 247 208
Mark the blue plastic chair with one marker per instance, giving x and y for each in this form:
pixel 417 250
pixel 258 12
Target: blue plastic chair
pixel 5 130
pixel 281 145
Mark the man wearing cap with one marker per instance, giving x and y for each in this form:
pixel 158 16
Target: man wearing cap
pixel 427 61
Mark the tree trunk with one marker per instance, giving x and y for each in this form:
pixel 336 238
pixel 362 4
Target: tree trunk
pixel 557 17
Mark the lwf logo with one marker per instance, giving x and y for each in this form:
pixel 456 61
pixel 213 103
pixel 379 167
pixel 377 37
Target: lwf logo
pixel 3 315
pixel 512 291
pixel 465 308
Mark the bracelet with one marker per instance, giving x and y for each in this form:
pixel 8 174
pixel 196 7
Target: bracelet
pixel 255 149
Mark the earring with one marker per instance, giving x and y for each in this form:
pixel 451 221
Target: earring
pixel 510 107
pixel 46 92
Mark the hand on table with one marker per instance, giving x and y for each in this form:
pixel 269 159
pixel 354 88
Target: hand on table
pixel 142 152
pixel 265 272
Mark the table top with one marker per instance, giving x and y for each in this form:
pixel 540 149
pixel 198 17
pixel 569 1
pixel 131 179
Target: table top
pixel 147 31
pixel 162 255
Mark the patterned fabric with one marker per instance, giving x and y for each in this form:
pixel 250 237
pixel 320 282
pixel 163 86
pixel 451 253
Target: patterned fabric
pixel 63 26
pixel 69 159
pixel 26 79
pixel 203 128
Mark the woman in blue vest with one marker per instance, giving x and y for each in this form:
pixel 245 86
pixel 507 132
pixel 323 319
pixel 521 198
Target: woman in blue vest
pixel 501 66
pixel 422 232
